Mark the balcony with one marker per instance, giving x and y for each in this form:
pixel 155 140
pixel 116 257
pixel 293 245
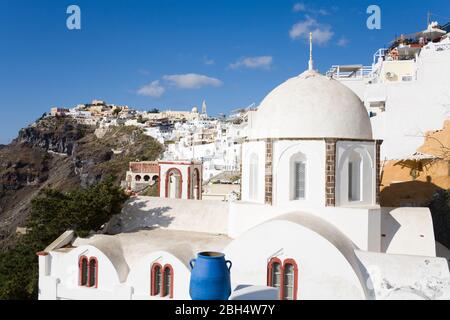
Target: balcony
pixel 349 72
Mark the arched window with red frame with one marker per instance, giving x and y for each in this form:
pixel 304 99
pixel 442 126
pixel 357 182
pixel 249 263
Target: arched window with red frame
pixel 167 288
pixel 290 278
pixel 283 276
pixel 275 270
pixel 83 271
pixel 93 273
pixel 156 279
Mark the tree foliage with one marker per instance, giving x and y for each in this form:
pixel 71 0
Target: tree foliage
pixel 54 212
pixel 116 112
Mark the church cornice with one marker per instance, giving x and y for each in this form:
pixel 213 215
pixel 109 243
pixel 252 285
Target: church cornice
pixel 313 139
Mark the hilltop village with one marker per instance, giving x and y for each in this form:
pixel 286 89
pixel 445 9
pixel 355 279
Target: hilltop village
pixel 216 142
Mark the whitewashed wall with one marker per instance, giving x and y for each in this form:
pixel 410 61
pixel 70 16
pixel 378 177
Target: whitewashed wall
pixel 403 277
pixel 314 151
pixel 140 276
pixel 412 108
pixel 249 148
pixel 361 225
pixel 323 272
pixel 63 277
pixel 367 152
pixel 407 231
pixel 184 173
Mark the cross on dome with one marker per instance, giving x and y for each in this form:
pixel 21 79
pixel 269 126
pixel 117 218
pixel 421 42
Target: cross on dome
pixel 311 63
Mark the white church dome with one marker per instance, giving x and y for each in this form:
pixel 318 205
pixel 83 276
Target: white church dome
pixel 194 110
pixel 311 106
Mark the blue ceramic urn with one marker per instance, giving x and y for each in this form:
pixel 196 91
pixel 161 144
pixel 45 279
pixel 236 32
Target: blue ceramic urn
pixel 210 277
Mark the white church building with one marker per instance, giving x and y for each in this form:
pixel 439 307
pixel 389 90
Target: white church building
pixel 308 226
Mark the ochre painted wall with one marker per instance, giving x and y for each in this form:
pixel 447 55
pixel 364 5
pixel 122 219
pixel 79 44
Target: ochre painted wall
pixel 398 188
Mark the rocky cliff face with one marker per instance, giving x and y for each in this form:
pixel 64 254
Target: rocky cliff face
pixel 62 154
pixel 58 136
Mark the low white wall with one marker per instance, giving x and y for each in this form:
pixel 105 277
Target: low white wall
pixel 47 287
pixel 407 231
pixel 215 197
pixel 187 215
pixel 402 277
pixel 361 225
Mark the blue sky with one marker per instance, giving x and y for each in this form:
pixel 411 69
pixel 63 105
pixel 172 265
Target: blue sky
pixel 172 54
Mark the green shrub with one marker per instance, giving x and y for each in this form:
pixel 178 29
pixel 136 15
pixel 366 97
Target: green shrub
pixel 52 213
pixel 440 211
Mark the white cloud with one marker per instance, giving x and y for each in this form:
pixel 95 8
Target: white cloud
pixel 207 61
pixel 322 33
pixel 323 12
pixel 153 89
pixel 343 42
pixel 191 81
pixel 302 7
pixel 262 62
pixel 301 28
pixel 299 7
pixel 144 72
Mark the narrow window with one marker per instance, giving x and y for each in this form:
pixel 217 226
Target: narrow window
pixel 275 274
pixel 167 282
pixel 350 181
pixel 289 282
pixel 156 280
pixel 83 267
pixel 300 180
pixel 354 180
pixel 93 272
pixel 253 177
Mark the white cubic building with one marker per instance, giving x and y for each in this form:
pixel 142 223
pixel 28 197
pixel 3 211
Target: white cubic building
pixel 406 91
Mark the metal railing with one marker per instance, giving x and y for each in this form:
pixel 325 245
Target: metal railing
pixel 379 55
pixel 343 72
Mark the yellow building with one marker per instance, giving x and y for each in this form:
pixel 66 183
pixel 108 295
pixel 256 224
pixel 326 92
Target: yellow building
pixel 413 181
pixel 97 109
pixel 58 111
